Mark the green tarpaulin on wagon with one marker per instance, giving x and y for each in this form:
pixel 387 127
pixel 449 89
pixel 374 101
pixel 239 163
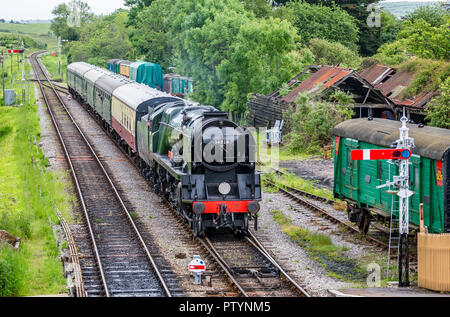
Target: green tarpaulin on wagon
pixel 149 74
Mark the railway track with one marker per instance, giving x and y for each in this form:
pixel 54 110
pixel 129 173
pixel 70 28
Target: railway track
pixel 116 261
pixel 250 268
pixel 316 204
pixel 265 277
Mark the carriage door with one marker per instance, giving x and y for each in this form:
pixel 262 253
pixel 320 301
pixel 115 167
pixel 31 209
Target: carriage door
pixel 414 185
pixel 350 170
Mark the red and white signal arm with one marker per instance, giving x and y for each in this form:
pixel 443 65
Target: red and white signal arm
pixel 197 265
pixel 381 154
pixel 16 51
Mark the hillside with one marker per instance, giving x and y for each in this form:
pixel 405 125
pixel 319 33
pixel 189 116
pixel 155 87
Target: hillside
pixel 401 8
pixel 40 32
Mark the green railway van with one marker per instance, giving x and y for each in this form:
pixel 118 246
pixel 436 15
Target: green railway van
pixel 356 181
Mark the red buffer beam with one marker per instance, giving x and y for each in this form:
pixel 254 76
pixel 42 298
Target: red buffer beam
pixel 381 154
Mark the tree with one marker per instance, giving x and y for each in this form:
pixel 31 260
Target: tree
pixel 151 35
pixel 63 13
pixel 261 8
pixel 425 40
pixel 331 53
pixel 390 26
pixel 262 58
pixel 438 113
pixel 136 6
pixel 105 37
pixel 329 23
pixel 434 15
pixel 311 122
pixel 203 32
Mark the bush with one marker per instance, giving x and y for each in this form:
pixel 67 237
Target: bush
pixel 438 113
pixel 332 53
pixel 311 124
pixel 324 22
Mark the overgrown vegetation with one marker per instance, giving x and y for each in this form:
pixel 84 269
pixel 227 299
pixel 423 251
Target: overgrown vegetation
pixel 438 112
pixel 51 64
pixel 29 195
pixel 320 248
pixel 310 124
pixel 234 48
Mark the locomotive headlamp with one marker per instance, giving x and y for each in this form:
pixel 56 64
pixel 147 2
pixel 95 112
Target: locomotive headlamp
pixel 224 188
pixel 253 207
pixel 199 208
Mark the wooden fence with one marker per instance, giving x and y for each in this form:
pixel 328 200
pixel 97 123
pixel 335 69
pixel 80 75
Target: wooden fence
pixel 433 260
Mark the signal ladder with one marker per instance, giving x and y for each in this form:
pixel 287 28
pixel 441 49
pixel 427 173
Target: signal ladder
pixel 394 235
pixel 394 226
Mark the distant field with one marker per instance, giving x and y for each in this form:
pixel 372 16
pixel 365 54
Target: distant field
pixel 39 32
pixel 401 8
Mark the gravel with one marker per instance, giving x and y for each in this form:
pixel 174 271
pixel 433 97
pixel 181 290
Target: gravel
pixel 308 272
pixel 175 247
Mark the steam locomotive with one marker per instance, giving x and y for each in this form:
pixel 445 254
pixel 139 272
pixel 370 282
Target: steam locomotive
pixel 193 155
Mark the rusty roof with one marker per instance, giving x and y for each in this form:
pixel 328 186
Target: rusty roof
pixel 325 77
pixel 375 74
pixel 392 83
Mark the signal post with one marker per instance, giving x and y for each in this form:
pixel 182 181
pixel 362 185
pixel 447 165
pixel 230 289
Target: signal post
pixel 399 156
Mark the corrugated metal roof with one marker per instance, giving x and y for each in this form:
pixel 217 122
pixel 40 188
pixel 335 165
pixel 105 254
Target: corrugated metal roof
pixel 392 84
pixel 375 74
pixel 325 77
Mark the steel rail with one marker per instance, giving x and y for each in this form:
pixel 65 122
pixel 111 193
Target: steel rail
pixel 210 248
pixel 266 254
pixel 301 192
pixel 35 64
pixel 329 216
pixel 136 231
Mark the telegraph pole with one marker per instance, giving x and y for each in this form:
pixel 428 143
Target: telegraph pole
pixel 59 55
pixel 3 74
pixel 12 61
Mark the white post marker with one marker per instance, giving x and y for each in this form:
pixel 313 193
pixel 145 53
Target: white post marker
pixel 198 267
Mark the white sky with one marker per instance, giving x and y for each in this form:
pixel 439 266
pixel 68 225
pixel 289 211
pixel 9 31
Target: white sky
pixel 42 9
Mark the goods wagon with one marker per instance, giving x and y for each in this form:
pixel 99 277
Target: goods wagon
pixel 356 181
pixel 111 64
pixel 177 85
pixel 149 74
pixel 125 68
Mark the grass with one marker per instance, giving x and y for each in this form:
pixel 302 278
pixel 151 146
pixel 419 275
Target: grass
pixel 38 31
pixel 29 194
pixel 292 180
pixel 320 248
pixel 269 155
pixel 51 63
